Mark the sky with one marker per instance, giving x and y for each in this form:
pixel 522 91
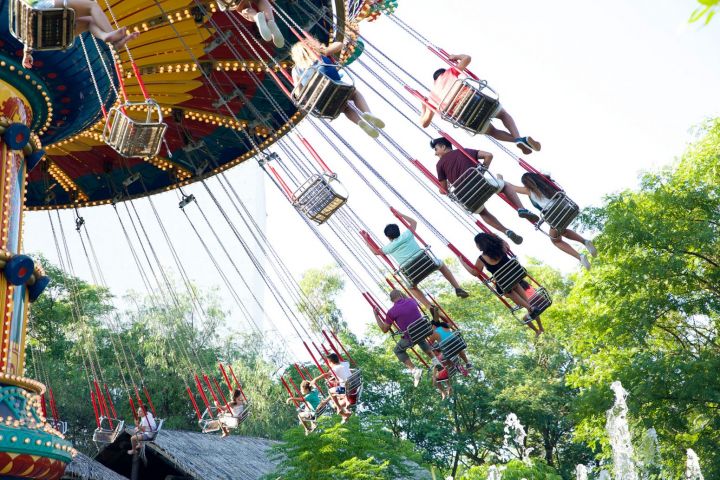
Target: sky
pixel 610 88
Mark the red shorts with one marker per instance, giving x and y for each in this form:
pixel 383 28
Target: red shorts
pixel 442 374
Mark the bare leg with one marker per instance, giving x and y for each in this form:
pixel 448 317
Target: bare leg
pixel 512 196
pixel 249 14
pixel 573 235
pixel 498 134
pixel 408 363
pixel 509 123
pixel 517 295
pixel 360 102
pixel 88 8
pixel 565 247
pixel 463 357
pixel 265 7
pixel 449 276
pixel 491 220
pixel 351 114
pixel 420 296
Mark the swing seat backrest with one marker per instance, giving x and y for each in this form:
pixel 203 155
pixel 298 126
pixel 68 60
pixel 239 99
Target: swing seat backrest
pixel 320 95
pixel 560 212
pixel 207 421
pixel 540 300
pixel 509 275
pixel 419 267
pixel 318 198
pixel 473 188
pixel 153 435
pixel 108 430
pixel 419 330
pixel 46 29
pixel 131 137
pixel 453 345
pixel 470 105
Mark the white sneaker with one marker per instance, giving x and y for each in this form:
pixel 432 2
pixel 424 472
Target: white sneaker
pixel 417 374
pixel 262 24
pixel 277 36
pixel 367 128
pixel 584 261
pixel 373 120
pixel 591 248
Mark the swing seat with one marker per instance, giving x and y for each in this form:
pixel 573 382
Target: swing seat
pixel 319 197
pixel 320 95
pixel 509 275
pixel 470 105
pixel 108 430
pixel 419 267
pixel 58 425
pixel 452 346
pixel 42 29
pixel 560 212
pixel 153 434
pixel 211 421
pixel 133 138
pixel 473 188
pixel 354 386
pixel 419 330
pixel 540 300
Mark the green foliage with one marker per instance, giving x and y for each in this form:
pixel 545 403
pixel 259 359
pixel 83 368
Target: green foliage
pixel 360 449
pixel 647 314
pixel 516 470
pixel 321 287
pixel 705 12
pixel 157 347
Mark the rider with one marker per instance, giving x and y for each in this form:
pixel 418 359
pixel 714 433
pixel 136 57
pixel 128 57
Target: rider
pixel 403 247
pixel 444 81
pixel 454 163
pixel 262 15
pixel 88 16
pixel 493 255
pixel 305 54
pixel 403 313
pixel 145 429
pixel 541 191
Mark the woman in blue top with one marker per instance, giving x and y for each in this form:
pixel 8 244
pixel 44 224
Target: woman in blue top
pixel 305 55
pixel 441 332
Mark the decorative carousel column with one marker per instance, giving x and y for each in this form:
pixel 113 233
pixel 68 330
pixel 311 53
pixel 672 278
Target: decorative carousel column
pixel 29 446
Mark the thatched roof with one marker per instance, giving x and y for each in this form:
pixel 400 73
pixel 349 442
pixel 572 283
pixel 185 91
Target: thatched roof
pixel 83 467
pixel 209 457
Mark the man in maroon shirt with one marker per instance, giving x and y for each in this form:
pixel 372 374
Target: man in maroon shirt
pixel 454 163
pixel 403 313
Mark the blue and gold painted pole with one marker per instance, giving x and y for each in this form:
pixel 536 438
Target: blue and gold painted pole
pixel 29 446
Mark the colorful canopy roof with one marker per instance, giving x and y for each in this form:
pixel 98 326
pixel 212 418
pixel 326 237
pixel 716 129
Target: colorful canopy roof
pixel 203 136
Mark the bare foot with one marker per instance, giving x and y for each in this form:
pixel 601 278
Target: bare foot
pixel 117 35
pixel 121 43
pixel 27 61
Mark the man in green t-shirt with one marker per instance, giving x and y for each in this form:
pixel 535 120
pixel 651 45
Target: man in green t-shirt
pixel 403 247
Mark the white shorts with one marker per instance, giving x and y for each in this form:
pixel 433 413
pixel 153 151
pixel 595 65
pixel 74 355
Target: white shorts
pixel 498 183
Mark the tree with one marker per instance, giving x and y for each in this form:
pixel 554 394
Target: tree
pixel 648 312
pixel 516 470
pixel 361 449
pixel 321 287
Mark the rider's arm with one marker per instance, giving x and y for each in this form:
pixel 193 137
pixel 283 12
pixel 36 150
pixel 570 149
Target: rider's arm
pixel 461 61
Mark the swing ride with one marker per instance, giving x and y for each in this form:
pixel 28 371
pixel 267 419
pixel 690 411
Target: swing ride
pixel 196 93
